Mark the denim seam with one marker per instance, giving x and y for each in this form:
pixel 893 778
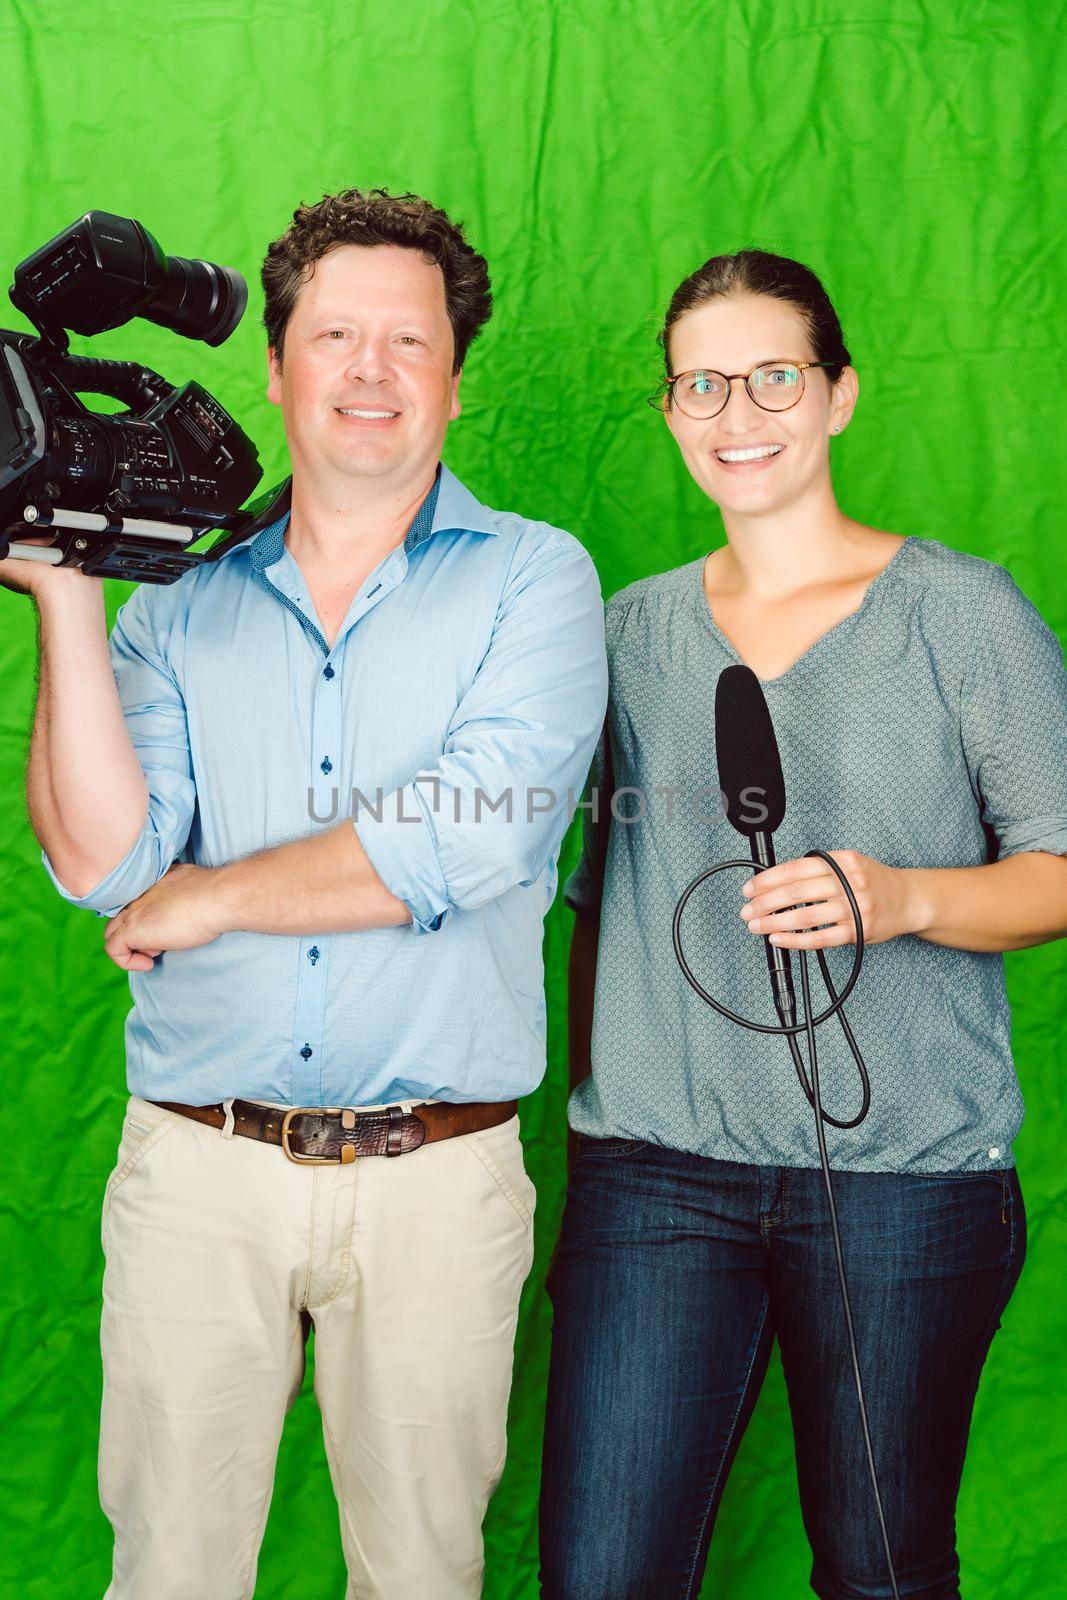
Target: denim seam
pixel 623 1148
pixel 1010 1265
pixel 729 1441
pixel 990 1334
pixel 1008 1210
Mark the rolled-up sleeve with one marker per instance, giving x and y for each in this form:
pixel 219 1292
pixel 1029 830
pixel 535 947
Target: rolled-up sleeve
pixel 154 710
pixel 1014 719
pixel 491 812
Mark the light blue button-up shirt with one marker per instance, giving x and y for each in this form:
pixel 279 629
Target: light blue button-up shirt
pixel 453 719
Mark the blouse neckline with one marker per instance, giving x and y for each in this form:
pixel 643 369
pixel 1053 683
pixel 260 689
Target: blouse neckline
pixel 826 641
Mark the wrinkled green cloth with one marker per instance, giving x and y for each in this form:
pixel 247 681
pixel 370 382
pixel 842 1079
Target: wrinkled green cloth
pixel 915 156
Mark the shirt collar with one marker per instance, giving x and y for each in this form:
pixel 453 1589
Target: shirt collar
pixel 457 509
pixel 449 507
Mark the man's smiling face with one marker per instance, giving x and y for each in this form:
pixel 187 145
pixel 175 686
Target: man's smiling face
pixel 365 379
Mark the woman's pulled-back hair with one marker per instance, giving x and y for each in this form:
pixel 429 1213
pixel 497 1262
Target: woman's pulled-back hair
pixel 760 272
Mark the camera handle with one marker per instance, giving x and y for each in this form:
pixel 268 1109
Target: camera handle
pixel 133 548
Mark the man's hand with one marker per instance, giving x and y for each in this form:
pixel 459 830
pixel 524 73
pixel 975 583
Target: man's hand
pixel 41 577
pixel 321 884
pixel 180 912
pixel 801 905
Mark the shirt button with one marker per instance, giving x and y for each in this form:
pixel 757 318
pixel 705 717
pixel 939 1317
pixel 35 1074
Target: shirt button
pixel 326 765
pixel 307 1051
pixel 329 673
pixel 313 954
pixel 994 1152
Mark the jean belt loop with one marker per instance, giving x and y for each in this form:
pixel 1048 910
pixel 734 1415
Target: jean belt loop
pixel 227 1127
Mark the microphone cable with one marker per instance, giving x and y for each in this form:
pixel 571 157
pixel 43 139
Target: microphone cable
pixel 789 1027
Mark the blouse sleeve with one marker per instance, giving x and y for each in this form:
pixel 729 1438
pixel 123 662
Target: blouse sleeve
pixel 1014 722
pixel 584 887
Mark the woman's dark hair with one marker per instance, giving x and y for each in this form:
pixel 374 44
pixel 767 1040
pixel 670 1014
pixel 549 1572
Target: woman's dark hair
pixel 760 272
pixel 374 217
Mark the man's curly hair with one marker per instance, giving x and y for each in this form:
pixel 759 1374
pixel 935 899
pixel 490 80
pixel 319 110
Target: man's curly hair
pixel 375 217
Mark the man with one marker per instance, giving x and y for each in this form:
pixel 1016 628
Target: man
pixel 357 728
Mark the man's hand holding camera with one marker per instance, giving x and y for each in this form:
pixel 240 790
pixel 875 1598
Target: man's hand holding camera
pixel 41 578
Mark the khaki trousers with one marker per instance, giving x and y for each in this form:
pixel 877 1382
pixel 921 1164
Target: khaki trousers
pixel 218 1250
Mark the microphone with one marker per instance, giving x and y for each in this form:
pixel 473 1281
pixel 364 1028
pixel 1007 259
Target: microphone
pixel 753 793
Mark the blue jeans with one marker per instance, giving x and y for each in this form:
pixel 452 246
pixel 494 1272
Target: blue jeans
pixel 673 1276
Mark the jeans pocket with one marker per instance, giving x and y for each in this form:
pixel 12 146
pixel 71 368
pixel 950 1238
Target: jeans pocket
pixel 610 1149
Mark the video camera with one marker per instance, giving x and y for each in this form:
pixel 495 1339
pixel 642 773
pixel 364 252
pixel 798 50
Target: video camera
pixel 123 495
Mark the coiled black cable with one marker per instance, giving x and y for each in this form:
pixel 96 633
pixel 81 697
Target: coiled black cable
pixel 789 1027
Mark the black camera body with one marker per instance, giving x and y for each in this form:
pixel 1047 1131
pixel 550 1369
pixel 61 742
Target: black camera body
pixel 122 495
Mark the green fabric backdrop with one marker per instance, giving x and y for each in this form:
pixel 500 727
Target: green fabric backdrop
pixel 915 156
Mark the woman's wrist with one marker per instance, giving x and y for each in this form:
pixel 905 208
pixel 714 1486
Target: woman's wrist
pixel 920 901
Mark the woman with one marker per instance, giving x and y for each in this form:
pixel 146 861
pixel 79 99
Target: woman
pixel 920 705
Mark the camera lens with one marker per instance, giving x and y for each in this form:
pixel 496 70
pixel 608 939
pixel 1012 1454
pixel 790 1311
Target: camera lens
pixel 105 269
pixel 198 299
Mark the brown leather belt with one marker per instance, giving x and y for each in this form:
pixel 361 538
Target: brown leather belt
pixel 328 1136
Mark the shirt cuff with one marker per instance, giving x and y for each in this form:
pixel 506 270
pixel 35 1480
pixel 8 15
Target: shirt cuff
pixel 101 891
pixel 400 847
pixel 1039 833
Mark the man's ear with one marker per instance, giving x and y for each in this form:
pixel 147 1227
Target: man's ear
pixel 274 376
pixel 456 408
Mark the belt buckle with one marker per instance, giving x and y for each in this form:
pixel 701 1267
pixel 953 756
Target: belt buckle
pixel 347 1152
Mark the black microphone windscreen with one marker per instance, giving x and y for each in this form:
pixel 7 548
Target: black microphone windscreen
pixel 750 768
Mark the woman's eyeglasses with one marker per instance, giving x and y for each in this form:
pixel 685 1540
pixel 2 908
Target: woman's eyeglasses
pixel 702 393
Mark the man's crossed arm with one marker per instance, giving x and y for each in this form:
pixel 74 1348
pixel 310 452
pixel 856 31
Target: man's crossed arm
pixel 323 884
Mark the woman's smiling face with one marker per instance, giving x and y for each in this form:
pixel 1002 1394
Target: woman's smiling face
pixel 734 334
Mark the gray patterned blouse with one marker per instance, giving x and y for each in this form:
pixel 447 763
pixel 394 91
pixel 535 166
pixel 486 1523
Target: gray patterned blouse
pixel 929 728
